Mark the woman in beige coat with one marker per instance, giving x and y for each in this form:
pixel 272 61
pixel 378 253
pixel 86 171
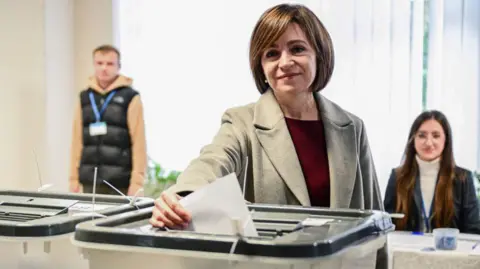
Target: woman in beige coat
pixel 302 148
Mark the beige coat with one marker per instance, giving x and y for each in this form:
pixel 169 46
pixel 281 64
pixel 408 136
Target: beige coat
pixel 274 175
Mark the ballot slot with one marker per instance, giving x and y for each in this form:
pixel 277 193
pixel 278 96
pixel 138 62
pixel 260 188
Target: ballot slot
pixel 24 214
pixel 19 217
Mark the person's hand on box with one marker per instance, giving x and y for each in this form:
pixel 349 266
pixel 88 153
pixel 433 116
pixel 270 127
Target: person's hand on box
pixel 169 213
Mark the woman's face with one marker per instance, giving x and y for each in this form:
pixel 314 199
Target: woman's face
pixel 430 140
pixel 290 64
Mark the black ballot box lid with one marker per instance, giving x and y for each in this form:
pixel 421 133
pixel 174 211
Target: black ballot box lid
pixel 283 232
pixel 38 214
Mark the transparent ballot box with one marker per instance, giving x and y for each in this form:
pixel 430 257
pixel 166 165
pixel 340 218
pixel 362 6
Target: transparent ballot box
pixel 288 237
pixel 35 227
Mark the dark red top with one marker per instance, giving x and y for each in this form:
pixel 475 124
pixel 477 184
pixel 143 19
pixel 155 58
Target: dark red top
pixel 309 140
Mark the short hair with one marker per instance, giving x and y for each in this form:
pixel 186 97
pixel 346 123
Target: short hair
pixel 105 49
pixel 273 23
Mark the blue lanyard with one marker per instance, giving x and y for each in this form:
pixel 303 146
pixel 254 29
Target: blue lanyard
pixel 98 114
pixel 426 218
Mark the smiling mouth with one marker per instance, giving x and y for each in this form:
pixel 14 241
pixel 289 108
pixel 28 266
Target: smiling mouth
pixel 288 76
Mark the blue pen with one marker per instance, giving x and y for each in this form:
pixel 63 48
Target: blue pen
pixel 417 233
pixel 475 245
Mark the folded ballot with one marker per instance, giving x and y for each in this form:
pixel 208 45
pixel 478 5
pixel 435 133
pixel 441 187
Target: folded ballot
pixel 219 208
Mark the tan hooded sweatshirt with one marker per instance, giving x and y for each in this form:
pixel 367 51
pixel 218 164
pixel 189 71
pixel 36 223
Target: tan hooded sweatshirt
pixel 136 127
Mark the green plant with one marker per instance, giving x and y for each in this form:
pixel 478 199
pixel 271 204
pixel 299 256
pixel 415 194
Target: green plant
pixel 158 178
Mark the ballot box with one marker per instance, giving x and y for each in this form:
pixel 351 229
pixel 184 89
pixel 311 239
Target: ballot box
pixel 288 237
pixel 35 227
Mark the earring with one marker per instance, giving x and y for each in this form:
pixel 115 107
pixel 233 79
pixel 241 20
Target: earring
pixel 266 81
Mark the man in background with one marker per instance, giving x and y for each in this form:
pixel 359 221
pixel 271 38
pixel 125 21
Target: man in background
pixel 108 131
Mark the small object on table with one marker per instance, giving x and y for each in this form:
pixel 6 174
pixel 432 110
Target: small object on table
pixel 445 238
pixel 476 248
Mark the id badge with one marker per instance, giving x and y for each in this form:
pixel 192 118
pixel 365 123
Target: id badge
pixel 98 128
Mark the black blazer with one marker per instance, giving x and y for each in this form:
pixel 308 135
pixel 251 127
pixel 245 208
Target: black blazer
pixel 466 210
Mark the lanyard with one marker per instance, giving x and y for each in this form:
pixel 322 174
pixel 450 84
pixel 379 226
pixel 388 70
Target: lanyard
pixel 426 218
pixel 98 114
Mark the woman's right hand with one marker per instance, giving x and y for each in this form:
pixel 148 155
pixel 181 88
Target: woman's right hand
pixel 169 213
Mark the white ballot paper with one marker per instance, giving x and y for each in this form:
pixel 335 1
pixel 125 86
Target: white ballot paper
pixel 214 206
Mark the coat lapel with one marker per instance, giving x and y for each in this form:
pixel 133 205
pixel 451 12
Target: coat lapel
pixel 417 195
pixel 418 199
pixel 341 144
pixel 340 135
pixel 273 134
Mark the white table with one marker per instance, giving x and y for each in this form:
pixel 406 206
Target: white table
pixel 407 251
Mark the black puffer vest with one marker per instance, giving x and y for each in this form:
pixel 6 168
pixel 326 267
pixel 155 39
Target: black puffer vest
pixel 112 152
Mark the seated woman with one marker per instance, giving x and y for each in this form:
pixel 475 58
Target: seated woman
pixel 429 188
pixel 302 149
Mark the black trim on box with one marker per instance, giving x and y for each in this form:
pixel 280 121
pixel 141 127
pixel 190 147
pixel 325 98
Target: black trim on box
pixel 62 223
pixel 107 231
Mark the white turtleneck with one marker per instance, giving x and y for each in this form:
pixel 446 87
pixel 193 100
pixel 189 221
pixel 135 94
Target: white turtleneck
pixel 428 179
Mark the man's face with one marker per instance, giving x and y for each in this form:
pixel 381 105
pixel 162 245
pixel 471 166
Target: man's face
pixel 106 66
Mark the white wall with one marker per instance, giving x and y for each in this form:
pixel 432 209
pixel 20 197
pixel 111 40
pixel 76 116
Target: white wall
pixel 22 84
pixel 45 58
pixel 59 74
pixel 93 27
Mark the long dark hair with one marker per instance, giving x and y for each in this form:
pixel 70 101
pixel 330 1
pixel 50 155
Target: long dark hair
pixel 407 173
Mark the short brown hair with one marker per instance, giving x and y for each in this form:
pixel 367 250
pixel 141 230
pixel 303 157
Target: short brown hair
pixel 105 49
pixel 273 23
